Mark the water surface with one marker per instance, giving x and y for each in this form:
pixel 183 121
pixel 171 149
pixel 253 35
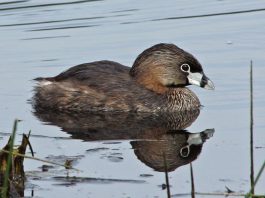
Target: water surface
pixel 43 38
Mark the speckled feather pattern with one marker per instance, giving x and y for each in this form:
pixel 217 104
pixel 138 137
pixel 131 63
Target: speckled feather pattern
pixel 117 92
pixel 154 84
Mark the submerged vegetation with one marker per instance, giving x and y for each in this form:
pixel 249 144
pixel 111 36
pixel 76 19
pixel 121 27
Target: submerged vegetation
pixel 11 165
pixel 12 176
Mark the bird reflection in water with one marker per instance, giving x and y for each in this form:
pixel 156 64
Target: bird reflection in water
pixel 153 136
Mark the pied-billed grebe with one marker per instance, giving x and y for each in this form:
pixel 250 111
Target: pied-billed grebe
pixel 156 83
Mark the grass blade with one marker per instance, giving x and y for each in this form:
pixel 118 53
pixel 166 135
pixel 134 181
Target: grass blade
pixel 166 175
pixel 9 160
pixel 251 132
pixel 192 182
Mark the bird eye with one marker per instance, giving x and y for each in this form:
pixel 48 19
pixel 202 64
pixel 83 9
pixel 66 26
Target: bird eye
pixel 185 67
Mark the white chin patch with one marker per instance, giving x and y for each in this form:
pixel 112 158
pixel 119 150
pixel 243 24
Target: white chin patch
pixel 44 83
pixel 195 78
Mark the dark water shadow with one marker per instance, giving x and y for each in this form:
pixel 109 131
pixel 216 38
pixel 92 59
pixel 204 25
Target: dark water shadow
pixel 75 180
pixel 212 14
pixel 45 5
pixel 206 15
pixel 52 21
pixel 13 2
pixel 150 135
pixel 62 28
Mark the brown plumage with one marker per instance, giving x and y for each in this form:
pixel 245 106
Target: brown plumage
pixel 155 83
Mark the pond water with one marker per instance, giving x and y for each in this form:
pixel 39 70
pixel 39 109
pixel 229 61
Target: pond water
pixel 120 155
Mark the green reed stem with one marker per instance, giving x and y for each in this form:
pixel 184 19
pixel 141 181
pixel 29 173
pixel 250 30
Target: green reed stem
pixel 192 182
pixel 253 182
pixel 251 132
pixel 9 160
pixel 256 181
pixel 259 173
pixel 41 160
pixel 166 175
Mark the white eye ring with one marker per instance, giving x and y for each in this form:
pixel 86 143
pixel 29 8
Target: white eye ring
pixel 185 68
